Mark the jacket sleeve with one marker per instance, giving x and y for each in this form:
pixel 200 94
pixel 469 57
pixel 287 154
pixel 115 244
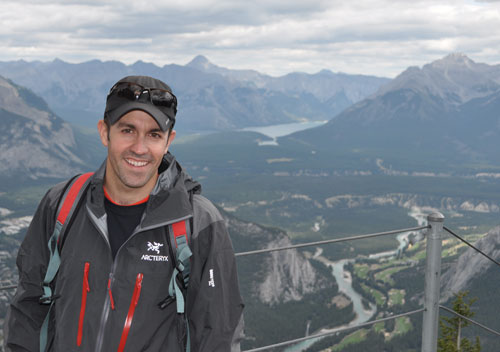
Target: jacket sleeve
pixel 25 314
pixel 214 304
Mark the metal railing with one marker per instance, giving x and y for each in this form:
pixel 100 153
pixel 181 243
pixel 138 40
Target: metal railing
pixel 319 243
pixel 431 292
pixel 432 284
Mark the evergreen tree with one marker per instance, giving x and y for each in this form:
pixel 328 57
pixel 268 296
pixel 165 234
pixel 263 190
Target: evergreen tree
pixel 451 339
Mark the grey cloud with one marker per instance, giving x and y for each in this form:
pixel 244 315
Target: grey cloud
pixel 273 36
pixel 125 18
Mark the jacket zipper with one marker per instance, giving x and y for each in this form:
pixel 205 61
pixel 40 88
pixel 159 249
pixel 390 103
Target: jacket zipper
pixel 100 225
pixel 85 290
pixel 131 310
pixel 102 229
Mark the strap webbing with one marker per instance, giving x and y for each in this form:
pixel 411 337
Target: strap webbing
pixel 180 233
pixel 44 331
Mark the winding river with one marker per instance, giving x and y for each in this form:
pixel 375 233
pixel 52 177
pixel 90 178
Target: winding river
pixel 344 281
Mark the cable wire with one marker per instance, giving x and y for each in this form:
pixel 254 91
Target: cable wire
pixel 334 331
pixel 9 287
pixel 359 237
pixel 471 245
pixel 470 320
pixel 352 238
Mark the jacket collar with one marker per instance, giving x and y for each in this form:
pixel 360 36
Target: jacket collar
pixel 169 199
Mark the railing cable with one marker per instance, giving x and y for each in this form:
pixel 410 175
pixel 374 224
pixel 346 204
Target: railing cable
pixel 334 331
pixel 470 320
pixel 471 245
pixel 9 287
pixel 359 237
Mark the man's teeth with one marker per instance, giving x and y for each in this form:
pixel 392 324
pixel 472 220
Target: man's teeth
pixel 136 163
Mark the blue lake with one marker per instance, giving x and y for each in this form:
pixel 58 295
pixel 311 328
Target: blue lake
pixel 275 131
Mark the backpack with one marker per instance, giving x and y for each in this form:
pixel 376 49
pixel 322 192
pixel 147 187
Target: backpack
pixel 179 234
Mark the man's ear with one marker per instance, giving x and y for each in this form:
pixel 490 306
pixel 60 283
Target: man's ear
pixel 102 127
pixel 171 137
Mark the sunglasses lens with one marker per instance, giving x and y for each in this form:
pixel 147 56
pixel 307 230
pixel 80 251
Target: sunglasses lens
pixel 126 92
pixel 162 98
pixel 123 93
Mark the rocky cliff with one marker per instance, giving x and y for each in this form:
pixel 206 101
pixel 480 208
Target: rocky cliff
pixel 276 277
pixel 289 277
pixel 471 264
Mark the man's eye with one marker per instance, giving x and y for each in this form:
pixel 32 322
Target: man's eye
pixel 127 130
pixel 155 135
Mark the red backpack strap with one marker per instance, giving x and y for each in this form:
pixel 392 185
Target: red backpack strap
pixel 180 230
pixel 71 196
pixel 67 205
pixel 180 237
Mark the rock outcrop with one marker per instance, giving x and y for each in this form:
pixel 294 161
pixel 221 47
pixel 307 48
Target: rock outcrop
pixel 471 264
pixel 289 277
pixel 277 277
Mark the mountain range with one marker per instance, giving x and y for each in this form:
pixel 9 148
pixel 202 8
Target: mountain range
pixel 447 110
pixel 210 97
pixel 443 114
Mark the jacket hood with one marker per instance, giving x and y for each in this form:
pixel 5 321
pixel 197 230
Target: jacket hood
pixel 171 172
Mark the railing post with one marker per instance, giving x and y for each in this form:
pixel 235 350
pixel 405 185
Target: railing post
pixel 432 282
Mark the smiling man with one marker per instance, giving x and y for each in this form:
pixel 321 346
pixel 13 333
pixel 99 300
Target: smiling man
pixel 145 263
pixel 136 146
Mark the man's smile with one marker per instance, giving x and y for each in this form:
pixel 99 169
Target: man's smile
pixel 136 163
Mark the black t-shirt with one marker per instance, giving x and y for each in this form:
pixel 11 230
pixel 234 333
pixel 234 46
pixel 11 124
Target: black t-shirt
pixel 122 221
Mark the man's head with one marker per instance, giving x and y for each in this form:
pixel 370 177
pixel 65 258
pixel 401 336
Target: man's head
pixel 143 93
pixel 137 130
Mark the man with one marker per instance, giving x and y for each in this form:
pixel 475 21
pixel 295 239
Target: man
pixel 111 292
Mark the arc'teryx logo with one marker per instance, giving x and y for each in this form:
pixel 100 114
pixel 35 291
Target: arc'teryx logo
pixel 155 247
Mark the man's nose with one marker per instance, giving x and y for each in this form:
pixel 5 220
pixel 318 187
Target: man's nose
pixel 139 146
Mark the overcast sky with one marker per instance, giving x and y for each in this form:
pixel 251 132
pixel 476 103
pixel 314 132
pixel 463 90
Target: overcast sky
pixel 376 37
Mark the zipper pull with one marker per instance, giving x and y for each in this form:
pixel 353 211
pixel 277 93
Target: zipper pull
pixel 85 290
pixel 131 310
pixel 86 277
pixel 138 286
pixel 110 294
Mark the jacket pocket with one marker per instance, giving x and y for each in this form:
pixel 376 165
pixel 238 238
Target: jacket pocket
pixel 85 290
pixel 131 310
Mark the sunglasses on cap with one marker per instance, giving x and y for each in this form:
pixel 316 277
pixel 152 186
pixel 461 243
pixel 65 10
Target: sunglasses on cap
pixel 125 92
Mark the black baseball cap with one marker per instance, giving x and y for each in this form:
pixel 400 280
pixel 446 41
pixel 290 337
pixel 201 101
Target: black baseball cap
pixel 143 93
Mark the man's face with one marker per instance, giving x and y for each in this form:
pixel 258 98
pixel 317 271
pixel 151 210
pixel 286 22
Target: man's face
pixel 136 146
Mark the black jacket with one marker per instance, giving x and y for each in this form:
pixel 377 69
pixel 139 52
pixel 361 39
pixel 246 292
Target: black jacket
pixel 96 294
